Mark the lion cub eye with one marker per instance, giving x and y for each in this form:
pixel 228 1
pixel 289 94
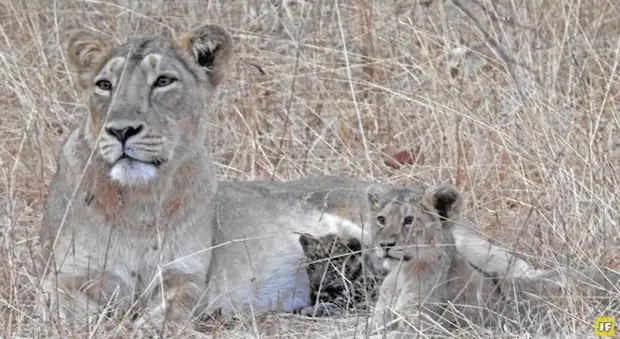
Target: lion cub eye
pixel 104 85
pixel 408 221
pixel 163 81
pixel 381 220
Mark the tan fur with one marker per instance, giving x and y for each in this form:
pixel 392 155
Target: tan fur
pixel 197 44
pixel 95 122
pixel 106 194
pixel 86 53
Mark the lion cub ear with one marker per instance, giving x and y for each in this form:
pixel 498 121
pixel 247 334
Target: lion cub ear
pixel 308 243
pixel 444 200
pixel 211 46
pixel 85 52
pixel 376 194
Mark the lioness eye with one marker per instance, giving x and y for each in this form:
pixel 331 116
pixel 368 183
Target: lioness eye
pixel 381 220
pixel 164 81
pixel 104 85
pixel 408 221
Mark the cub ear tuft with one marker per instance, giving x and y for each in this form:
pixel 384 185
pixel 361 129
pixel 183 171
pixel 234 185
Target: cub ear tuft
pixel 211 47
pixel 444 200
pixel 376 193
pixel 308 242
pixel 85 51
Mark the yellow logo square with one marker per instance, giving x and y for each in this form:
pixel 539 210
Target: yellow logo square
pixel 604 326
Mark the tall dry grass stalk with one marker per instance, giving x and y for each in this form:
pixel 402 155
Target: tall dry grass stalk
pixel 516 101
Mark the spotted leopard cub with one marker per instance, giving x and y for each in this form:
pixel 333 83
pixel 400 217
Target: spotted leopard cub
pixel 342 278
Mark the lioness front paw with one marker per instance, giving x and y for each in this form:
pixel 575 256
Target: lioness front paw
pixel 161 321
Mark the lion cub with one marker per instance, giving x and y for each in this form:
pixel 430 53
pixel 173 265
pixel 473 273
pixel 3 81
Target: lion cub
pixel 433 288
pixel 341 277
pixel 412 232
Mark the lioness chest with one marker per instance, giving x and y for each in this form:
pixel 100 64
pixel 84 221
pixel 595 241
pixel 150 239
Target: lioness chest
pixel 137 244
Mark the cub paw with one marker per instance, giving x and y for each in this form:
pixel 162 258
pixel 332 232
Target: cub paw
pixel 322 310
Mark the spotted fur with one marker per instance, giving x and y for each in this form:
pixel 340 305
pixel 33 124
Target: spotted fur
pixel 342 278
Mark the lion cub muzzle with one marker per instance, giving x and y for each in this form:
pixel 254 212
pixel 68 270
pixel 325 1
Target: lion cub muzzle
pixel 390 251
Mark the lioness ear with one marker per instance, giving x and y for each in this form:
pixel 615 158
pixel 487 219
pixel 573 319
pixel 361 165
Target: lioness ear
pixel 445 200
pixel 211 47
pixel 85 52
pixel 308 242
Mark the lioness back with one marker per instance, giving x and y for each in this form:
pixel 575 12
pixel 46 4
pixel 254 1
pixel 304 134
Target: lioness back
pixel 341 276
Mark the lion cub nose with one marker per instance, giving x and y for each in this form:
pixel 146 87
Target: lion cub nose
pixel 388 245
pixel 122 134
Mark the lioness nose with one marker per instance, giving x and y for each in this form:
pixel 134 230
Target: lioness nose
pixel 122 134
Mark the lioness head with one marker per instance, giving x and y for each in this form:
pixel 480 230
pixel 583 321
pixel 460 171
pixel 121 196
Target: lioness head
pixel 405 218
pixel 147 97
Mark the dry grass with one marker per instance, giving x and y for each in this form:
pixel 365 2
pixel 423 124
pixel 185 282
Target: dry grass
pixel 515 101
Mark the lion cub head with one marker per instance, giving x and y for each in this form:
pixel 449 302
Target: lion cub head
pixel 407 220
pixel 332 261
pixel 341 277
pixel 147 98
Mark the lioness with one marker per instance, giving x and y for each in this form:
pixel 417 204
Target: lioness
pixel 131 218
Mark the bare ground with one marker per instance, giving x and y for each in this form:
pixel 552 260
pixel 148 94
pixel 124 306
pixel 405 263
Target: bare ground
pixel 514 101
